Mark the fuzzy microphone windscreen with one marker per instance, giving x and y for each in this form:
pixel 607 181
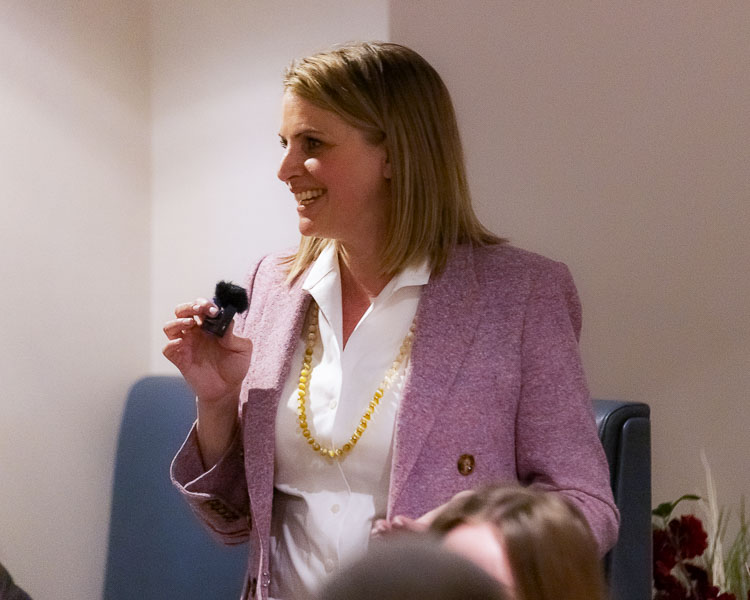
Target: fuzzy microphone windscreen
pixel 229 294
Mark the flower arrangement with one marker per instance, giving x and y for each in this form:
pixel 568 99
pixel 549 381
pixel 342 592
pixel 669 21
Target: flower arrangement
pixel 689 562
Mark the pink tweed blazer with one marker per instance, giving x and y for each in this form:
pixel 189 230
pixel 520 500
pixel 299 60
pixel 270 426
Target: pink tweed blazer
pixel 495 375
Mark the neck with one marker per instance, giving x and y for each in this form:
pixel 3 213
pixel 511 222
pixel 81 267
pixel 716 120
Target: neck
pixel 361 281
pixel 360 273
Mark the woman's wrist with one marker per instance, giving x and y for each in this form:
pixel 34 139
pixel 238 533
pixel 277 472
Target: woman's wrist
pixel 216 425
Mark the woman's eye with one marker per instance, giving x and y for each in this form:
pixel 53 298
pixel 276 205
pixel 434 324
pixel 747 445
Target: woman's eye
pixel 282 141
pixel 313 143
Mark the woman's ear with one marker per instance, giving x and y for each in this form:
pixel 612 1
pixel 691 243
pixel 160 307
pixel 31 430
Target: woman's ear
pixel 387 172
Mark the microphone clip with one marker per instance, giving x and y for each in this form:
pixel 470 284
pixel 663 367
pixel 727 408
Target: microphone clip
pixel 231 299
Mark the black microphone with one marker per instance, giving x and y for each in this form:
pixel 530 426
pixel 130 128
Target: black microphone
pixel 231 299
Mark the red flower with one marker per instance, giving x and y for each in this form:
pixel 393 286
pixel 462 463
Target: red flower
pixel 665 554
pixel 669 588
pixel 689 535
pixel 702 586
pixel 683 539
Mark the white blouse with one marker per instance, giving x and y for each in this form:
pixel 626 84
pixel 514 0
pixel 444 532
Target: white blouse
pixel 324 508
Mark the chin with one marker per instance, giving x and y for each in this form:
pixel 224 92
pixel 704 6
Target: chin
pixel 311 229
pixel 306 227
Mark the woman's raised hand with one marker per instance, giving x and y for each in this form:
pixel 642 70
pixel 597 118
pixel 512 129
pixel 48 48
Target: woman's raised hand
pixel 213 366
pixel 400 523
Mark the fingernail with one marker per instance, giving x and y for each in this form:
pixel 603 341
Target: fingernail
pixel 213 310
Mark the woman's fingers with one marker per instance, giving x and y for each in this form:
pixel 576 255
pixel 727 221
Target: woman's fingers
pixel 403 523
pixel 399 524
pixel 200 306
pixel 190 315
pixel 380 528
pixel 197 309
pixel 173 350
pixel 185 310
pixel 204 308
pixel 178 327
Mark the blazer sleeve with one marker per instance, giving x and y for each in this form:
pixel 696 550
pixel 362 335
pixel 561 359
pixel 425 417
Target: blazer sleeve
pixel 218 496
pixel 557 445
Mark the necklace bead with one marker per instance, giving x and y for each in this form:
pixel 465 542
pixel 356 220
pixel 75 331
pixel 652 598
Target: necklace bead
pixel 306 371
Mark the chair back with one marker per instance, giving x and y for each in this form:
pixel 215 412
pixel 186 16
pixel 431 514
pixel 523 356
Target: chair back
pixel 157 547
pixel 625 432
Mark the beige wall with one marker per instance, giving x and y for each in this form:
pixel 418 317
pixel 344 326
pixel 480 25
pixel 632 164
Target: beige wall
pixel 614 137
pixel 216 91
pixel 74 247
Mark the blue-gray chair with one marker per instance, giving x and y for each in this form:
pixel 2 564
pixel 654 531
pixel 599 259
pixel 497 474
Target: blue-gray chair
pixel 157 548
pixel 625 432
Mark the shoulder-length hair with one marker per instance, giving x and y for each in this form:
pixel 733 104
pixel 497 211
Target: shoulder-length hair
pixel 396 98
pixel 551 550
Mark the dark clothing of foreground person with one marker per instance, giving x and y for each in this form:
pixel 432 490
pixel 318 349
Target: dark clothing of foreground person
pixel 8 589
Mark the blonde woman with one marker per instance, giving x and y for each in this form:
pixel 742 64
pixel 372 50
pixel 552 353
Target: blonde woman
pixel 401 354
pixel 536 543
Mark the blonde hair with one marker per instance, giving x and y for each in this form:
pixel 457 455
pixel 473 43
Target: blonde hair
pixel 550 548
pixel 395 97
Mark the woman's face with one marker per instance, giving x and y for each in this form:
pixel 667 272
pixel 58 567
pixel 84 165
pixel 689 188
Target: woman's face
pixel 479 543
pixel 339 180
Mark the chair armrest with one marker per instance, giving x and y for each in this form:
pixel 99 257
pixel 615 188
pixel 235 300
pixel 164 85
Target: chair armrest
pixel 625 432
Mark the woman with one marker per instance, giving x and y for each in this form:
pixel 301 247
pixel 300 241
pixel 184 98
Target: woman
pixel 402 354
pixel 536 543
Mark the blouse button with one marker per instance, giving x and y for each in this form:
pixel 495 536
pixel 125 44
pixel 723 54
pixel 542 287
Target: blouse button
pixel 332 404
pixel 335 508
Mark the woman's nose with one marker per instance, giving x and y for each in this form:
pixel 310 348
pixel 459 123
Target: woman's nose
pixel 291 165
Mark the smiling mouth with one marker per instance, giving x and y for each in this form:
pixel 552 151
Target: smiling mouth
pixel 308 196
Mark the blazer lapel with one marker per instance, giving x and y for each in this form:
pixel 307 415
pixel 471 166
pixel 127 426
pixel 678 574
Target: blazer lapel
pixel 281 322
pixel 447 319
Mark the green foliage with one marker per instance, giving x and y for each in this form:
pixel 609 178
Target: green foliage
pixel 665 509
pixel 737 559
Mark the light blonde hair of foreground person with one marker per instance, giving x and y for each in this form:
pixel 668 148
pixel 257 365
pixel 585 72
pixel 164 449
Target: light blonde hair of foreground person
pixel 412 568
pixel 396 98
pixel 549 546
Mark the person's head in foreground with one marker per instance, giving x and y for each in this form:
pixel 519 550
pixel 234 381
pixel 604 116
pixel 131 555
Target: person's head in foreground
pixel 535 542
pixel 412 569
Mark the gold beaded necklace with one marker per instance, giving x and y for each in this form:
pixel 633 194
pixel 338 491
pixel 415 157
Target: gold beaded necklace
pixel 304 377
